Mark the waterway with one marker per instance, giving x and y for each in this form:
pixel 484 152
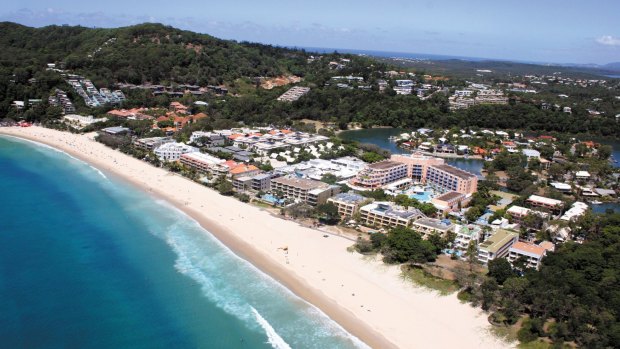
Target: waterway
pixel 380 137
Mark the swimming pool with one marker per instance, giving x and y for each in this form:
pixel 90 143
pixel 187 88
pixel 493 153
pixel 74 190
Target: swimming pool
pixel 450 252
pixel 272 199
pixel 424 196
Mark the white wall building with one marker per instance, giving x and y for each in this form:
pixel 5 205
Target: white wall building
pixel 173 151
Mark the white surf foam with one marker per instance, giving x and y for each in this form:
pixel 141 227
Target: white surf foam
pixel 193 262
pixel 273 337
pixel 49 147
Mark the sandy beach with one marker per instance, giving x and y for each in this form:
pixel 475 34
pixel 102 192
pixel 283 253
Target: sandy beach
pixel 363 295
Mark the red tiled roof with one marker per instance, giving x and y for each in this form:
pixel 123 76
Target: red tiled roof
pixel 242 168
pixel 230 163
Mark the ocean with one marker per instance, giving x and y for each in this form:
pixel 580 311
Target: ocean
pixel 390 54
pixel 89 261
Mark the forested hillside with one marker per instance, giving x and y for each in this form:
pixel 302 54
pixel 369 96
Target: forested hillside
pixel 142 53
pixel 158 54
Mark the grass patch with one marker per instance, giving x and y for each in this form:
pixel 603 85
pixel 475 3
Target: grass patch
pixel 507 333
pixel 425 279
pixel 464 296
pixel 261 204
pixel 537 344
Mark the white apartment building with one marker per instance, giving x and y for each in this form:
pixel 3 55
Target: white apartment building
pixel 532 253
pixel 173 151
pixel 200 161
pixel 429 226
pixel 497 245
pixel 384 214
pixel 466 234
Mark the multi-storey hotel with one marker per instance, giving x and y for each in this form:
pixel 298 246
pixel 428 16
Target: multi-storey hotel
pixel 200 161
pixel 417 164
pixel 347 203
pixel 307 190
pixel 385 215
pixel 436 172
pixel 152 143
pixel 429 226
pixel 449 178
pixel 173 151
pixel 496 246
pixel 380 173
pixel 532 253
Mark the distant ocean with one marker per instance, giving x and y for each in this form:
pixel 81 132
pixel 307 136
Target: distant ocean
pixel 434 57
pixel 88 261
pixel 389 54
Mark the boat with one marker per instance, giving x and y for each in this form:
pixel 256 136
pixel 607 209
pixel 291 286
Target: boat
pixel 596 202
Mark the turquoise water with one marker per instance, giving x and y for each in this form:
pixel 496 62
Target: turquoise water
pixel 272 199
pixel 88 261
pixel 424 196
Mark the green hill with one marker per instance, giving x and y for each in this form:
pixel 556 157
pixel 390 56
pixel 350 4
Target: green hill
pixel 142 53
pixel 158 54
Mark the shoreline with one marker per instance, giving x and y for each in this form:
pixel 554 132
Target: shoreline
pixel 300 276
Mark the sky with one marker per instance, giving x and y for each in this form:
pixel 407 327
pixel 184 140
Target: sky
pixel 546 31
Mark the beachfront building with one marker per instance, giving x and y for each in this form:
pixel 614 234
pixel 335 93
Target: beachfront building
pixel 532 253
pixel 497 245
pixel 541 201
pixel 306 190
pixel 465 234
pixel 244 170
pixel 384 214
pixel 152 142
pixel 379 174
pixel 81 120
pixel 347 203
pixel 449 178
pixel 201 162
pixel 242 183
pixel 450 201
pixel 172 151
pixel 116 130
pixel 261 182
pixel 429 226
pixel 417 164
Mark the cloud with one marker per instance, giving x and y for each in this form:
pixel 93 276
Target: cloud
pixel 608 40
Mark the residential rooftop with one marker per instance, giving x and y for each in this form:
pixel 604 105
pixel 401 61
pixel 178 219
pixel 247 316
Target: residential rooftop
pixel 544 200
pixel 498 240
pixel 349 198
pixel 528 249
pixel 433 223
pixel 449 196
pixel 386 209
pixel 384 165
pixel 454 171
pixel 302 183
